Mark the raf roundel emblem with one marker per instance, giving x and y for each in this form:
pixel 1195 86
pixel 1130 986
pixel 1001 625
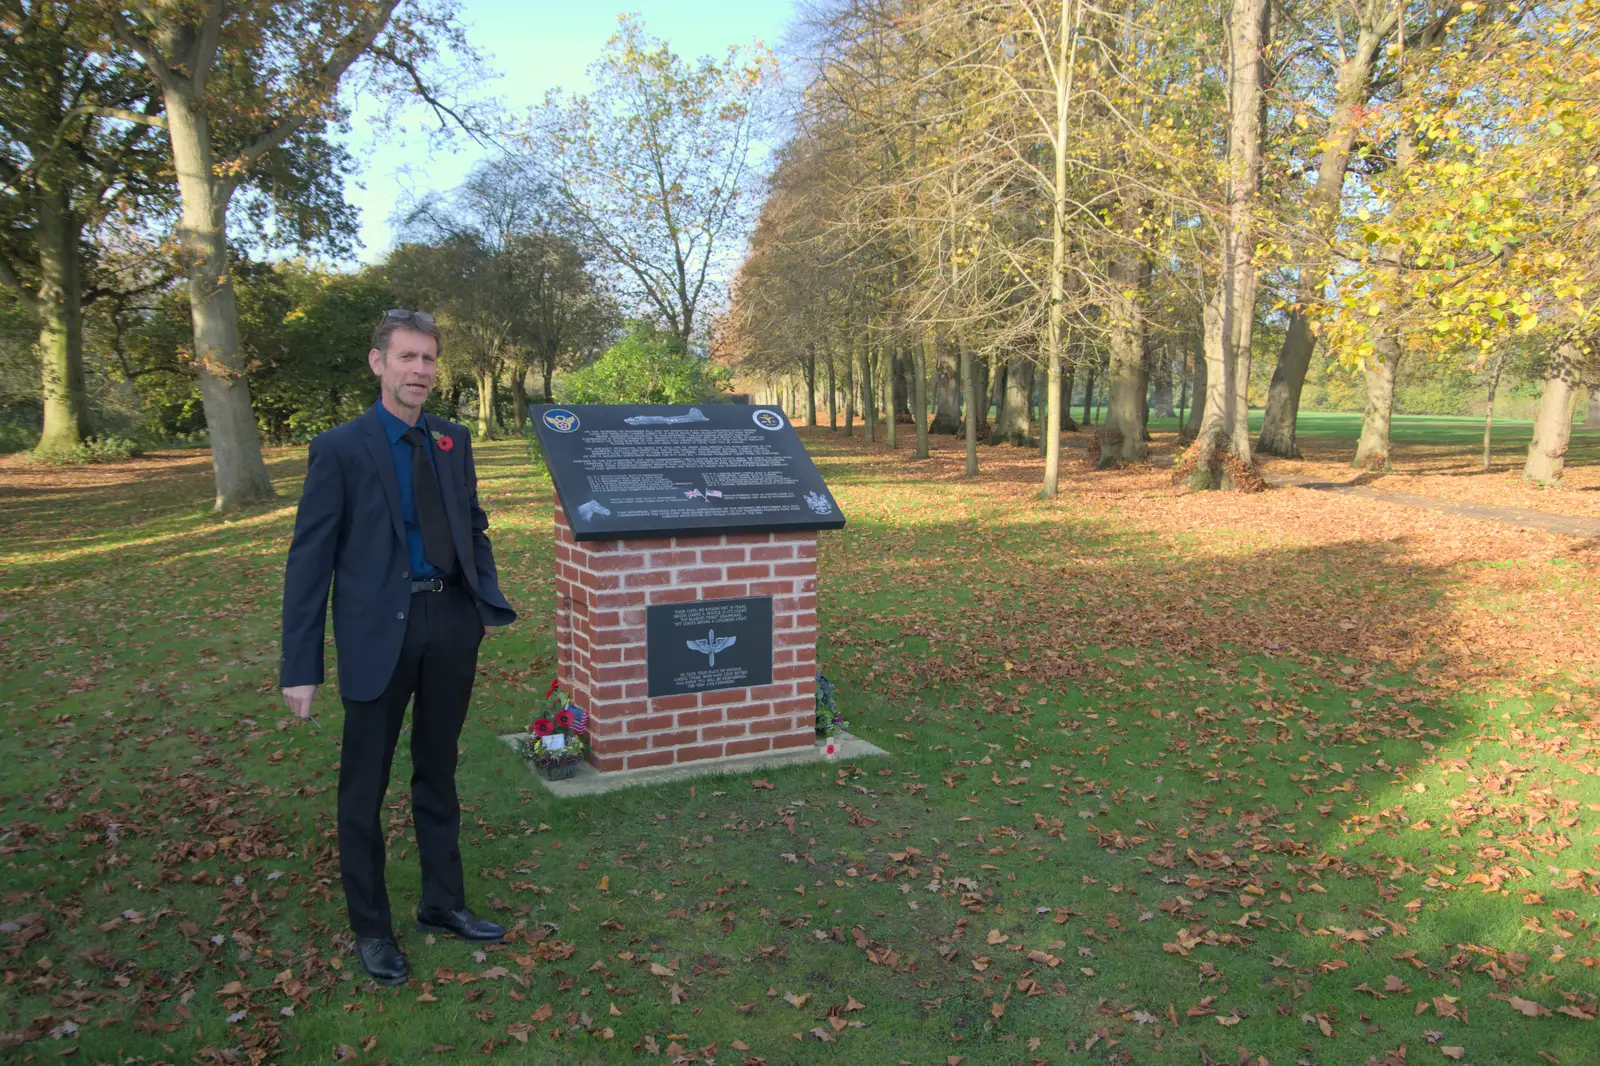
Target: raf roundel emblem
pixel 768 419
pixel 561 421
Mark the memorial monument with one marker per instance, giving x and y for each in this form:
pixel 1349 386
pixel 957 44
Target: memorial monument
pixel 686 579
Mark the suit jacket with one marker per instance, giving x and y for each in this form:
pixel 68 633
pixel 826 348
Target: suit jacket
pixel 349 531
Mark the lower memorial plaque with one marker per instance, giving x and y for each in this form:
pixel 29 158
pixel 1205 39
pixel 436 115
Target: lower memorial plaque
pixel 708 645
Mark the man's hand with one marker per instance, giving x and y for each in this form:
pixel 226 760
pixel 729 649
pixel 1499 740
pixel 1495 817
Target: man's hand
pixel 299 698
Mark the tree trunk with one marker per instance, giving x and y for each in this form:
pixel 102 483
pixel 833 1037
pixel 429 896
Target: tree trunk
pixel 60 316
pixel 1221 456
pixel 833 391
pixel 850 387
pixel 1249 43
pixel 1144 402
pixel 1591 418
pixel 1183 395
pixel 811 385
pixel 980 376
pixel 869 405
pixel 519 397
pixel 1289 378
pixel 1066 41
pixel 1488 410
pixel 1041 411
pixel 1197 394
pixel 1213 394
pixel 1161 404
pixel 1014 424
pixel 997 383
pixel 906 386
pixel 1122 435
pixel 886 360
pixel 1372 450
pixel 1552 424
pixel 548 371
pixel 241 473
pixel 1067 424
pixel 948 389
pixel 1088 397
pixel 919 393
pixel 1351 90
pixel 486 398
pixel 969 395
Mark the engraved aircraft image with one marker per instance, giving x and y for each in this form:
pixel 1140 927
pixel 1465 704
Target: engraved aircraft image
pixel 711 645
pixel 693 415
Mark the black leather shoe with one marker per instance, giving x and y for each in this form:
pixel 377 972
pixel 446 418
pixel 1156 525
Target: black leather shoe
pixel 462 924
pixel 382 959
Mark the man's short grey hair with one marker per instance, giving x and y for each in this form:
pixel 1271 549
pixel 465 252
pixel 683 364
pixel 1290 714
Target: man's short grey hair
pixel 399 318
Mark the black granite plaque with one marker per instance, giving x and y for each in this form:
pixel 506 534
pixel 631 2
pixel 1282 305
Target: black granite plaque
pixel 708 644
pixel 661 471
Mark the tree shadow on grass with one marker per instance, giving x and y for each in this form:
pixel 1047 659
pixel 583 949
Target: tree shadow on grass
pixel 110 503
pixel 1291 699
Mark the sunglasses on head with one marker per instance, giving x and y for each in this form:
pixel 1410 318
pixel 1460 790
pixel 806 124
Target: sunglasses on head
pixel 400 314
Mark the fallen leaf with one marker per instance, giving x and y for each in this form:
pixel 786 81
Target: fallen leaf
pixel 1529 1007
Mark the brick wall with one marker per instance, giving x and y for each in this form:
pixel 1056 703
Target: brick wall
pixel 602 590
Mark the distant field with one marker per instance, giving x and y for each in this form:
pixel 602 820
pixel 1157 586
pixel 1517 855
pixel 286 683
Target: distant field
pixel 1327 433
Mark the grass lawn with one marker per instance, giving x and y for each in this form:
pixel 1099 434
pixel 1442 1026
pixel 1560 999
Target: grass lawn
pixel 1172 779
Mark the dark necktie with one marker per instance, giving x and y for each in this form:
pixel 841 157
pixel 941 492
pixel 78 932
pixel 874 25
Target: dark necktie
pixel 436 544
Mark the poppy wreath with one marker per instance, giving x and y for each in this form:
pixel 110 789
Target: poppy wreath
pixel 557 736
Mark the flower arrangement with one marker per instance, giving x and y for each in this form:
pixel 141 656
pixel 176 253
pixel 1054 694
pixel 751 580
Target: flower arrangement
pixel 829 720
pixel 557 743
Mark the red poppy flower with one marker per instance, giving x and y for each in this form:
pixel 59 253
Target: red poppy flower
pixel 555 683
pixel 564 718
pixel 543 727
pixel 446 443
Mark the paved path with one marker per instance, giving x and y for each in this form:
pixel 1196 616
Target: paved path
pixel 1521 517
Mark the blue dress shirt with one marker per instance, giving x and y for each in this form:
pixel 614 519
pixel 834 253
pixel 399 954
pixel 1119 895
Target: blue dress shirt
pixel 400 449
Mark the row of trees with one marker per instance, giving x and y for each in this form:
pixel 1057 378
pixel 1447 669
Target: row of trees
pixel 518 313
pixel 981 192
pixel 147 145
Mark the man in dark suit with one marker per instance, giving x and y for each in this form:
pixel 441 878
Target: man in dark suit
pixel 390 515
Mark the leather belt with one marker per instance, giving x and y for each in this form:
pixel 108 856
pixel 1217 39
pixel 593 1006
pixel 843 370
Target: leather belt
pixel 436 584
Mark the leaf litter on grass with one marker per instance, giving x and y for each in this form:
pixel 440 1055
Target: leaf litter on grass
pixel 1171 777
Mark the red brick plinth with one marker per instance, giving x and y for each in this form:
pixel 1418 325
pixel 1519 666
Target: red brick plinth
pixel 602 590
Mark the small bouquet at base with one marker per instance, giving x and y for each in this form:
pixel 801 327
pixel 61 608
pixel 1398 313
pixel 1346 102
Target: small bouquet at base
pixel 829 720
pixel 557 743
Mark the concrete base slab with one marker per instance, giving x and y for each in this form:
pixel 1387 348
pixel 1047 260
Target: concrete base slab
pixel 588 781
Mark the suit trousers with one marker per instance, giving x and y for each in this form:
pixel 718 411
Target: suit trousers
pixel 437 665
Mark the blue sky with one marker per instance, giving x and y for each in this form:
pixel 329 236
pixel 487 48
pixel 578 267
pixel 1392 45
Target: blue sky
pixel 534 45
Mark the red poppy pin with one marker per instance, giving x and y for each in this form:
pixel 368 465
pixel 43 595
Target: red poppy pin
pixel 543 727
pixel 444 442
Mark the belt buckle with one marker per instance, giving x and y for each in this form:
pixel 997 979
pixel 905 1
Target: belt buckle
pixel 436 586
